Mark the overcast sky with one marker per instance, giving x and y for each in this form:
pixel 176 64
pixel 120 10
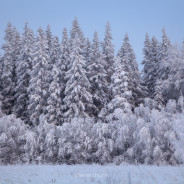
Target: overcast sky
pixel 136 17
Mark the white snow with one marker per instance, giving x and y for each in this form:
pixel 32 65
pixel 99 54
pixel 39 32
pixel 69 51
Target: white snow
pixel 95 174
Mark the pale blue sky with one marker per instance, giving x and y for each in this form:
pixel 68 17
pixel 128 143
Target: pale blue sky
pixel 136 17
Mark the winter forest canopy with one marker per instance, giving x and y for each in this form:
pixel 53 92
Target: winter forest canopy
pixel 76 101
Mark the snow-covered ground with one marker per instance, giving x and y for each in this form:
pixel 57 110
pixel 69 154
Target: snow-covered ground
pixel 95 174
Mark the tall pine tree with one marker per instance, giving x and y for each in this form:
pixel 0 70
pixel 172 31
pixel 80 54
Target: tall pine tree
pixel 97 76
pixel 87 50
pixel 151 50
pixel 108 51
pixel 8 72
pixel 121 94
pixel 54 104
pixel 147 62
pixel 1 71
pixel 54 112
pixel 54 56
pixel 23 69
pixel 64 64
pixel 127 56
pixel 76 31
pixel 49 38
pixel 162 66
pixel 38 88
pixel 78 99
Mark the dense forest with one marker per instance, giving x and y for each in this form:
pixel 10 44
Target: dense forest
pixel 76 101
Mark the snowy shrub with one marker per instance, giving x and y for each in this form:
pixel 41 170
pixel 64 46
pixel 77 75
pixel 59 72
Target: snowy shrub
pixel 74 141
pixel 146 137
pixel 162 128
pixel 150 103
pixel 143 112
pixel 12 139
pixel 152 138
pixel 45 141
pixel 30 146
pixel 171 106
pixel 178 139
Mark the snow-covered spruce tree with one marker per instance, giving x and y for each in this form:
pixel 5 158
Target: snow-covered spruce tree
pixel 38 87
pixel 158 94
pixel 180 102
pixel 1 71
pixel 127 57
pixel 53 51
pixel 63 65
pixel 108 51
pixel 49 39
pixel 54 56
pixel 154 53
pixel 173 85
pixel 54 104
pixel 17 47
pixel 64 60
pixel 121 93
pixel 1 64
pixel 182 51
pixel 182 59
pixel 8 73
pixel 23 70
pixel 146 60
pixel 163 69
pixel 162 66
pixel 1 112
pixel 150 60
pixel 97 76
pixel 78 99
pixel 77 32
pixel 87 50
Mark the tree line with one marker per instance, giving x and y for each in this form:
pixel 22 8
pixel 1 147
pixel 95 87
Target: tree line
pixel 79 102
pixel 79 78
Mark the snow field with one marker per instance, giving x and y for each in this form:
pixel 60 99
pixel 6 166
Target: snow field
pixel 95 174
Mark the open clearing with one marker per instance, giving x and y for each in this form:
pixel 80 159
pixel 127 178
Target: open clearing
pixel 84 174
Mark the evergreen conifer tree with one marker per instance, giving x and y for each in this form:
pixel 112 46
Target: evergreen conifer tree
pixel 87 51
pixel 38 88
pixel 76 31
pixel 54 104
pixel 23 70
pixel 64 64
pixel 97 76
pixel 78 99
pixel 7 78
pixel 162 67
pixel 1 71
pixel 127 56
pixel 108 51
pixel 49 38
